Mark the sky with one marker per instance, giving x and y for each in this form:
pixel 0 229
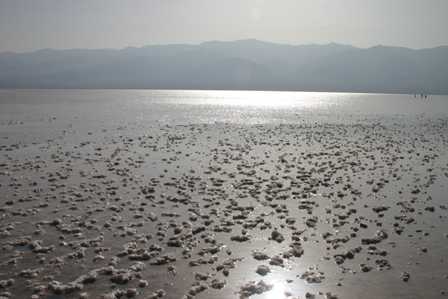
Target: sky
pixel 27 25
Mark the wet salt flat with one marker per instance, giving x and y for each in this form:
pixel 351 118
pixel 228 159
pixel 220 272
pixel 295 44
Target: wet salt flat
pixel 211 194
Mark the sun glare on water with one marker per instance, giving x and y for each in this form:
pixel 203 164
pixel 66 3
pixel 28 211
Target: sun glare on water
pixel 278 291
pixel 263 99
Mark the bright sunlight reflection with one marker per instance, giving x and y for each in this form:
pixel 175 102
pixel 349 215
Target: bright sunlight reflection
pixel 278 291
pixel 264 98
pixel 267 99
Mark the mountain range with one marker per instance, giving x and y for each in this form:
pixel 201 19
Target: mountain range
pixel 240 65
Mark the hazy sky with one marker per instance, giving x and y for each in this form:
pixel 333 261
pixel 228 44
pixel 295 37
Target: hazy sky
pixel 33 24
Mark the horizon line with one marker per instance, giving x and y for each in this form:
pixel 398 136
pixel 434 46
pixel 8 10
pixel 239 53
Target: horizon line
pixel 222 41
pixel 220 90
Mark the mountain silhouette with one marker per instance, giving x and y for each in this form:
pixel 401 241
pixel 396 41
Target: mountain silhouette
pixel 244 64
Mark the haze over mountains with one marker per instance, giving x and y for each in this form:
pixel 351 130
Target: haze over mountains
pixel 244 64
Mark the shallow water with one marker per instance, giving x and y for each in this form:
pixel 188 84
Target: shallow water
pixel 224 160
pixel 184 107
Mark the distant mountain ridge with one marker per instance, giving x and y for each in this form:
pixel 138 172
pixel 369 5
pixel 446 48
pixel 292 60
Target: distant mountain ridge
pixel 244 64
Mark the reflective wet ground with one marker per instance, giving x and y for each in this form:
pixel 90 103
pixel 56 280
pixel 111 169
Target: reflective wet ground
pixel 116 194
